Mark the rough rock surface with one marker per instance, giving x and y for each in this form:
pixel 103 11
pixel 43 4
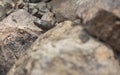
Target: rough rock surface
pixel 17 33
pixel 101 17
pixel 87 9
pixel 63 47
pixel 83 8
pixel 61 7
pixel 21 19
pixel 67 50
pixel 102 21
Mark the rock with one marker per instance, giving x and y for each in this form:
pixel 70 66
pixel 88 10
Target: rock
pixel 2 13
pixel 105 26
pixel 38 9
pixel 17 33
pixel 102 20
pixel 45 25
pixel 50 17
pixel 14 42
pixel 8 6
pixel 101 17
pixel 64 9
pixel 31 9
pixel 67 50
pixel 21 19
pixel 77 21
pixel 46 22
pixel 87 9
pixel 42 8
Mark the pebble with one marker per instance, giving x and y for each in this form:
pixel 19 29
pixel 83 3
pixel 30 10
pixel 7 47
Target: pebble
pixel 42 7
pixel 45 25
pixel 50 17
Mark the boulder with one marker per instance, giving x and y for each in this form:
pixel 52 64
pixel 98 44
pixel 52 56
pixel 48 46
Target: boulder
pixel 17 33
pixel 67 50
pixel 100 18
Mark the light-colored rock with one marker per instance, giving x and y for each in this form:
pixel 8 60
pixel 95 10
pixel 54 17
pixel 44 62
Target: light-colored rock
pixel 67 50
pixel 21 19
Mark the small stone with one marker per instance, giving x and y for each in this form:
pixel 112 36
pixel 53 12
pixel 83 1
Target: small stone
pixel 84 38
pixel 50 17
pixel 20 6
pixel 32 10
pixel 42 7
pixel 2 12
pixel 46 22
pixel 77 22
pixel 45 25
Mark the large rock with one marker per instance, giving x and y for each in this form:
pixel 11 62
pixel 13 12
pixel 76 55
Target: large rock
pixel 17 33
pixel 102 20
pixel 67 50
pixel 101 17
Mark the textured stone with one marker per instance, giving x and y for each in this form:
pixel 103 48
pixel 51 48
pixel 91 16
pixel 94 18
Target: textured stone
pixel 67 50
pixel 14 42
pixel 21 19
pixel 64 9
pixel 101 17
pixel 17 33
pixel 46 22
pixel 102 20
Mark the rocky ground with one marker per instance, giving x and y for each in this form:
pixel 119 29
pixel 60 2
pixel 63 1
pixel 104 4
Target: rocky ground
pixel 59 37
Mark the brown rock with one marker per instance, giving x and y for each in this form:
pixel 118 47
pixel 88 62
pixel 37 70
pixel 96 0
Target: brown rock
pixel 87 9
pixel 67 50
pixel 101 20
pixel 101 17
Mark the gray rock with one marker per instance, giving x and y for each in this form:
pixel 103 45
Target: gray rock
pixel 45 25
pixel 49 17
pixel 64 9
pixel 32 10
pixel 46 22
pixel 2 13
pixel 42 8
